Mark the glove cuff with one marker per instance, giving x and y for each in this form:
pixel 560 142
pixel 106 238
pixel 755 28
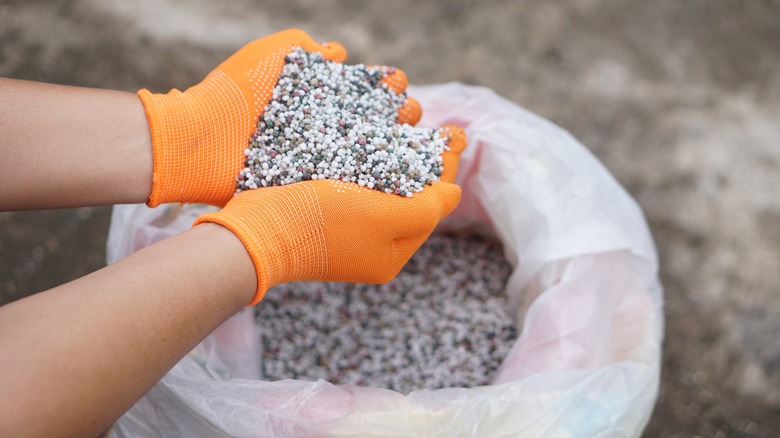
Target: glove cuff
pixel 197 152
pixel 251 245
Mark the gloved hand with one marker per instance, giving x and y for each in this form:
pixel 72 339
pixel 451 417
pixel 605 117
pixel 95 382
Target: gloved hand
pixel 329 230
pixel 199 135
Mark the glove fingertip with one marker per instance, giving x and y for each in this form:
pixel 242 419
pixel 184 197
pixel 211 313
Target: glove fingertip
pixel 450 158
pixel 451 199
pixel 397 80
pixel 458 141
pixel 448 194
pixel 411 112
pixel 333 51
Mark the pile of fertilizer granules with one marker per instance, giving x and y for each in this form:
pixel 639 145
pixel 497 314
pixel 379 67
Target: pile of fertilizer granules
pixel 327 120
pixel 442 322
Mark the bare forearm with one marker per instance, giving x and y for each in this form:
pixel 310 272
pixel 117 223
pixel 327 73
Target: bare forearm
pixel 81 354
pixel 67 146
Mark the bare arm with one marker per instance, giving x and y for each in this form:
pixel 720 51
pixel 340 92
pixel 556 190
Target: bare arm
pixel 76 357
pixel 67 146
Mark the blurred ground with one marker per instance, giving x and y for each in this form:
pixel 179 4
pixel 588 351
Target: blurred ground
pixel 679 99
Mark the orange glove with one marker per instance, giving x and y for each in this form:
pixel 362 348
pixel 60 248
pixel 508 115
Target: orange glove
pixel 199 135
pixel 329 230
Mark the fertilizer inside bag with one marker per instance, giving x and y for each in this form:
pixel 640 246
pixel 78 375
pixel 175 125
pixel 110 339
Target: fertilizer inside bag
pixel 584 292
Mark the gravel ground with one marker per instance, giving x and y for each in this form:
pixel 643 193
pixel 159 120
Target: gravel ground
pixel 679 100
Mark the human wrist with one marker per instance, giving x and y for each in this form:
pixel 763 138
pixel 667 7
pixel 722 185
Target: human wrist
pixel 236 233
pixel 225 254
pixel 143 161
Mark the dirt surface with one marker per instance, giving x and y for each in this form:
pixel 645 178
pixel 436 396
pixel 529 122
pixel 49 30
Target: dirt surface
pixel 679 99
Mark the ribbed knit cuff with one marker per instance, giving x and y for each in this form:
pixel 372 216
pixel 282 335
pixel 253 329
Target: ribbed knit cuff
pixel 251 246
pixel 147 97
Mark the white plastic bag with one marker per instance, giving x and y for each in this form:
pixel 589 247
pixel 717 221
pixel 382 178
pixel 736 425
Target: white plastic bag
pixel 584 290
